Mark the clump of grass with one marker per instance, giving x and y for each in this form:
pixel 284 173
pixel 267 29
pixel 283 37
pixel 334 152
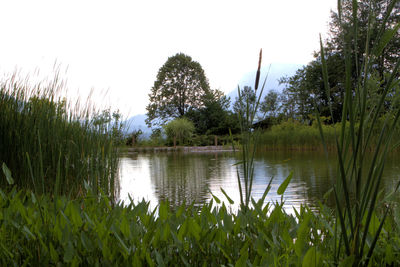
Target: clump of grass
pixel 52 146
pixel 358 227
pixel 293 135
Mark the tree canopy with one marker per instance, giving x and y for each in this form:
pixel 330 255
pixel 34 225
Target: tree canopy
pixel 215 117
pixel 305 91
pixel 181 86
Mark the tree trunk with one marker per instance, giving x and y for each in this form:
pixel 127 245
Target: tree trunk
pixel 215 140
pixel 133 140
pixel 175 141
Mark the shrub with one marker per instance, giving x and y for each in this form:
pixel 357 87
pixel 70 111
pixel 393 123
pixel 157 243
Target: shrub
pixel 179 130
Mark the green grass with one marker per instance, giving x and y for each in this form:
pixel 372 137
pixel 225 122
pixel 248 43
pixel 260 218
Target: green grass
pixel 52 146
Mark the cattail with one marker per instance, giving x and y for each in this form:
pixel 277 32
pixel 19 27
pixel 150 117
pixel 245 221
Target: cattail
pixel 258 71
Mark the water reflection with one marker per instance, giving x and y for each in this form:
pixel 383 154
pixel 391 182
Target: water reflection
pixel 188 177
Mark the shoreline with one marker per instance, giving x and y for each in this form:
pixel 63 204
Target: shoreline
pixel 190 149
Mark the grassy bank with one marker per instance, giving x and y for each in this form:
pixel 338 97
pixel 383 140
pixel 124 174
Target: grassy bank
pixel 293 135
pixel 52 146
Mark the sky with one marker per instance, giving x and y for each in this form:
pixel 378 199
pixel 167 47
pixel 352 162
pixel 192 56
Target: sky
pixel 115 48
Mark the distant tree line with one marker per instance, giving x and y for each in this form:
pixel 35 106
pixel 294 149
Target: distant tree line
pixel 181 89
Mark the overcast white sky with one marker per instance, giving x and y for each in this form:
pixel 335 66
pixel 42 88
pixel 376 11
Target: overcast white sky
pixel 119 46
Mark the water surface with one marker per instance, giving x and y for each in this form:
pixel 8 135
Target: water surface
pixel 190 177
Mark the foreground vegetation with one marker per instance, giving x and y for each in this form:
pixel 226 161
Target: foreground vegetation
pixel 89 231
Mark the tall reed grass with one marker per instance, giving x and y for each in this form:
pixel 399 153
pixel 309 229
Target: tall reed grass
pixel 293 135
pixel 357 190
pixel 52 146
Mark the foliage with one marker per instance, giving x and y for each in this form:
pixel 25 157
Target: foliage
pixel 246 99
pixel 133 136
pixel 368 19
pixel 40 230
pixel 179 130
pixel 271 105
pixel 180 86
pixel 305 90
pixel 214 117
pixel 42 137
pixel 350 34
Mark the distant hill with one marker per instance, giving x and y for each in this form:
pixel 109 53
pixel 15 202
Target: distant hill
pixel 137 122
pixel 276 72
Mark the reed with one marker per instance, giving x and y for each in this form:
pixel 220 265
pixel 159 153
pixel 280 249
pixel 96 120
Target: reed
pixel 357 190
pixel 292 135
pixel 52 146
pixel 249 138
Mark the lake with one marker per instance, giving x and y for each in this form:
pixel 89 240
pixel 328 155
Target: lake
pixel 190 177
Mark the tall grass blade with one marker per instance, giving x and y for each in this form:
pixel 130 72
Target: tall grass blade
pixel 342 223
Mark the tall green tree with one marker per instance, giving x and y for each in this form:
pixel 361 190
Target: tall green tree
pixel 271 104
pixel 305 92
pixel 180 86
pixel 248 95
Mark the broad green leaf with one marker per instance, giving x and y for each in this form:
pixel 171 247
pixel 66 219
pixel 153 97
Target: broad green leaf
pixel 387 36
pixel 183 230
pixel 228 225
pixel 244 255
pixel 159 259
pixel 389 256
pixel 28 232
pixel 86 242
pixel 33 197
pixel 312 258
pixel 149 261
pixel 215 198
pixel 69 252
pixel 124 227
pixel 122 243
pixel 284 185
pixel 53 254
pixel 72 212
pixel 7 173
pixel 302 234
pixel 163 211
pixel 227 197
pixel 165 232
pixel 194 229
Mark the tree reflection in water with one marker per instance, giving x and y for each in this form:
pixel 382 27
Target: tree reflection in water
pixel 188 177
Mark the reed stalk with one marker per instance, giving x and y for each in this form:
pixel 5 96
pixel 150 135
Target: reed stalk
pixel 249 138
